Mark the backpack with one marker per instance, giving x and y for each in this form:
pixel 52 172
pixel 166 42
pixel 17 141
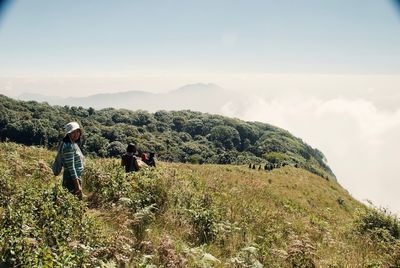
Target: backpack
pixel 57 164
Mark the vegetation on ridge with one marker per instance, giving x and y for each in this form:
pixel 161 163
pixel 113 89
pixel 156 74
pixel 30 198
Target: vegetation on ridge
pixel 184 215
pixel 177 136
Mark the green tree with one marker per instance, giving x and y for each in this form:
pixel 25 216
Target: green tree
pixel 115 148
pixel 96 144
pixel 142 118
pixel 247 131
pixel 225 135
pixel 178 123
pixel 163 116
pixel 194 127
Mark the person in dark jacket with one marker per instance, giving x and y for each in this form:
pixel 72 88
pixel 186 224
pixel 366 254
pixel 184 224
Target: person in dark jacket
pixel 128 160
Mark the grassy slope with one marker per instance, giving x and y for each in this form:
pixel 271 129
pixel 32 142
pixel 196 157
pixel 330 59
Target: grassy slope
pixel 287 209
pixel 218 215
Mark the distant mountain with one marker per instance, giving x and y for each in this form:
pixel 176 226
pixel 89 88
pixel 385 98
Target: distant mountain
pixel 39 97
pixel 197 88
pixel 197 97
pixel 128 99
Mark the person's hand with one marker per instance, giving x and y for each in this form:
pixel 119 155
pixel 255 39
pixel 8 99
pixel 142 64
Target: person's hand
pixel 79 193
pixel 78 189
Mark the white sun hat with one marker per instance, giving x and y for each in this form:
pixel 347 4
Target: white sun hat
pixel 71 126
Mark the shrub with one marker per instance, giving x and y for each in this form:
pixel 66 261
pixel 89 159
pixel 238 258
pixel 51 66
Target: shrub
pixel 276 157
pixel 105 187
pixel 196 159
pixel 379 223
pixel 149 190
pixel 7 188
pixel 143 188
pixel 115 149
pixel 47 227
pixel 204 218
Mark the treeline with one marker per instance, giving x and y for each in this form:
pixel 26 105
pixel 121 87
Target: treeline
pixel 177 136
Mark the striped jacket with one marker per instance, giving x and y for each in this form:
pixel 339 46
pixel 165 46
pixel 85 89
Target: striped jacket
pixel 72 160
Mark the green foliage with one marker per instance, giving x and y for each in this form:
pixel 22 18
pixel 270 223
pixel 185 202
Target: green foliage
pixel 200 258
pixel 225 137
pixel 107 186
pixel 183 215
pixel 7 187
pixel 196 159
pixel 149 190
pixel 46 226
pixel 276 157
pixel 204 218
pixel 140 190
pixel 115 149
pixel 179 123
pixel 379 223
pixel 194 127
pixel 142 217
pixel 247 257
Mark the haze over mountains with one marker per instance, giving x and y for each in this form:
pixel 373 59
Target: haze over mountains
pixel 197 97
pixel 211 97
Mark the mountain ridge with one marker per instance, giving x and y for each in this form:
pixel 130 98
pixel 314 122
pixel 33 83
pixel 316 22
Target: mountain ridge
pixel 194 96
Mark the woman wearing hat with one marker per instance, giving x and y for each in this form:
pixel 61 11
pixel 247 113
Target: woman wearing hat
pixel 72 158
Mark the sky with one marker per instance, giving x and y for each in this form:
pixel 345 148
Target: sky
pixel 327 71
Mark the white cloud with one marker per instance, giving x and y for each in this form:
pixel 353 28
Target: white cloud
pixel 6 88
pixel 359 140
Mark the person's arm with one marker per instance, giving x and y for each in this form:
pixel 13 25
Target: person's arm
pixel 135 162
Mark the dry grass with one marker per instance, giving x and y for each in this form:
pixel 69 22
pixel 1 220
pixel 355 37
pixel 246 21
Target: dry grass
pixel 288 217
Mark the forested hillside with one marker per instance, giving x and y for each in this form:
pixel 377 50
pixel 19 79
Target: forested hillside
pixel 177 136
pixel 184 215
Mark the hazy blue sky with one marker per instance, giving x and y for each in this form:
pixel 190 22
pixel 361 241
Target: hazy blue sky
pixel 328 71
pixel 46 37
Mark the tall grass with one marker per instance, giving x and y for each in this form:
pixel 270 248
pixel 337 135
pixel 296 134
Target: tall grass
pixel 182 215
